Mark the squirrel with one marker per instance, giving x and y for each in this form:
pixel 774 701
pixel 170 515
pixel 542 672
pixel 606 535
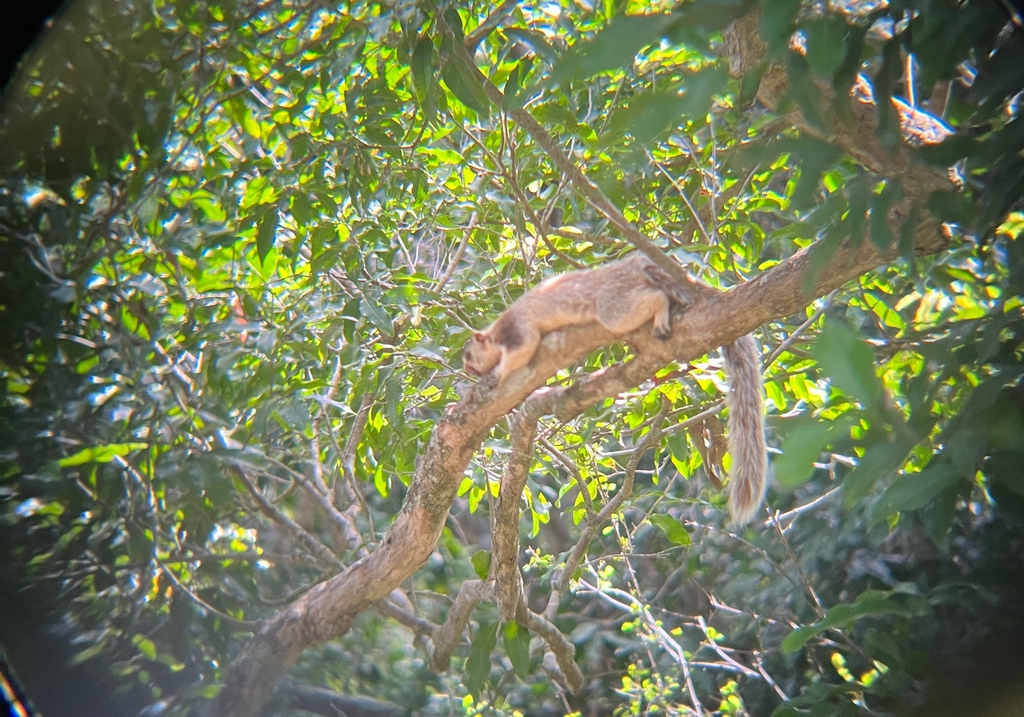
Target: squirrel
pixel 622 296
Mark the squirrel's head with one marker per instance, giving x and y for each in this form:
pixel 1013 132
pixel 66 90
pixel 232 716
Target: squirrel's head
pixel 480 355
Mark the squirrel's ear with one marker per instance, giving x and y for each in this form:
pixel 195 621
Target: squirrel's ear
pixel 479 336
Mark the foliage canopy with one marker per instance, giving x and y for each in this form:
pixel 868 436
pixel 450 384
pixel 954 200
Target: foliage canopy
pixel 243 243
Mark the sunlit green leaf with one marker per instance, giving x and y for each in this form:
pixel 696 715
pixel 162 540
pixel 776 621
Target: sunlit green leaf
pixel 516 638
pixel 100 454
pixel 481 563
pixel 672 528
pixel 802 447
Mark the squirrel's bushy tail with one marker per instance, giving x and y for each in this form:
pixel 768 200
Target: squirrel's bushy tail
pixel 746 428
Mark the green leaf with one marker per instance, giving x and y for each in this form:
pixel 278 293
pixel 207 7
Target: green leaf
pixel 512 90
pixel 613 47
pixel 481 562
pixel 805 92
pixel 517 646
pixel 146 646
pixel 907 230
pixel 888 130
pixel 647 116
pixel 937 517
pixel 373 311
pixel 849 362
pixel 302 210
pixel 700 89
pixel 100 454
pixel 881 229
pixel 535 41
pixel 478 665
pixel 802 446
pixel 380 482
pixel 813 156
pixel 454 21
pixel 881 459
pixel 424 76
pixel 777 25
pixel 266 232
pixel 950 151
pixel 672 528
pixel 870 603
pixel 461 78
pixel 949 206
pixel 913 491
pixel 826 44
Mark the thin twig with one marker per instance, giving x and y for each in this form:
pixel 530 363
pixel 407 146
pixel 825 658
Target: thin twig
pixel 250 625
pixel 590 191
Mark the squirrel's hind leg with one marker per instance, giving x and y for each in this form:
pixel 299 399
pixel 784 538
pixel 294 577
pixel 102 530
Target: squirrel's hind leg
pixel 662 316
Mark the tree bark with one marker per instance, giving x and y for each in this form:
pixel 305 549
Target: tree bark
pixel 714 319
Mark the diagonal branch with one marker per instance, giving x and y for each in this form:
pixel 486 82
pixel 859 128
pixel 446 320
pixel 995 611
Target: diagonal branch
pixel 591 192
pixel 713 319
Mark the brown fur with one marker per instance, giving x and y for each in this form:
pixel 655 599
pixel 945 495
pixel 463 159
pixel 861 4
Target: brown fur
pixel 623 296
pixel 619 296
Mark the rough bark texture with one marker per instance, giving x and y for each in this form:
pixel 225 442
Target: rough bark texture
pixel 714 319
pixel 327 611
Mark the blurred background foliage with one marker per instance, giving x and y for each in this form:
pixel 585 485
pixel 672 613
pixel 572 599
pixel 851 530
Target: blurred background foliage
pixel 242 244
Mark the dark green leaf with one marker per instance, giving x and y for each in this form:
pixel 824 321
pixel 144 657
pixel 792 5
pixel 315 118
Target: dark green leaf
pixel 950 206
pixel 888 130
pixel 880 460
pixel 454 21
pixel 463 82
pixel 826 44
pixel 533 40
pixel 266 232
pixel 813 156
pixel 777 24
pixel 513 85
pixel 377 315
pixel 424 76
pixel 849 362
pixel 937 517
pixel 881 228
pixel 478 665
pixel 912 491
pixel 857 195
pixel 613 47
pixel 949 151
pixel 804 91
pixel 907 235
pixel 870 603
pixel 302 210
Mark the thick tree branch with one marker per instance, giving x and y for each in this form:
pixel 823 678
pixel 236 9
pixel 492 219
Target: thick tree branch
pixel 326 702
pixel 560 647
pixel 856 134
pixel 594 523
pixel 446 637
pixel 505 526
pixel 713 319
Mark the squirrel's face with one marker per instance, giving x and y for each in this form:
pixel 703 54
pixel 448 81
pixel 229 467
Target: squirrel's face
pixel 480 355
